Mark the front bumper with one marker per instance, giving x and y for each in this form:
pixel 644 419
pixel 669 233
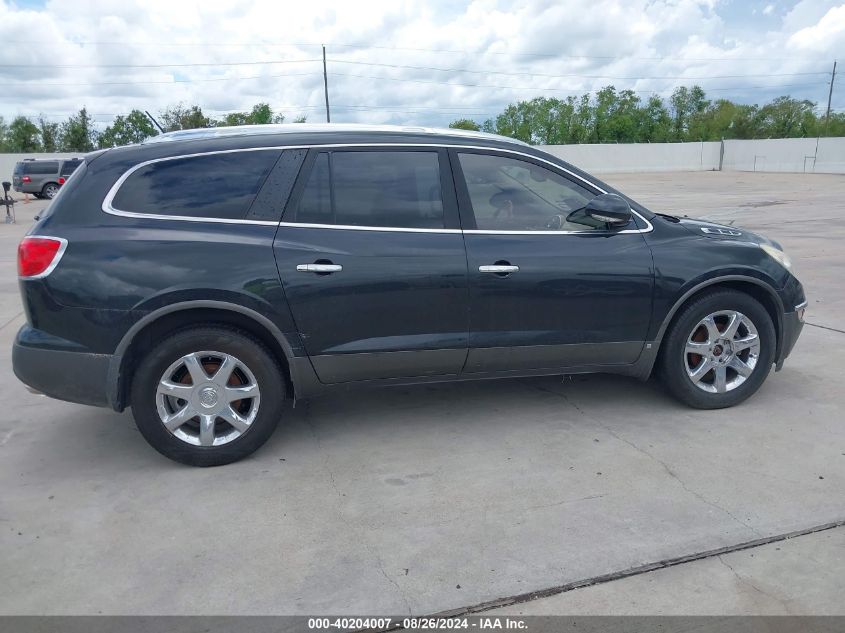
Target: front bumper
pixel 73 376
pixel 793 323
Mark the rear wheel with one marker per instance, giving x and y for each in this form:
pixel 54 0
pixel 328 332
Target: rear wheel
pixel 208 396
pixel 719 350
pixel 50 190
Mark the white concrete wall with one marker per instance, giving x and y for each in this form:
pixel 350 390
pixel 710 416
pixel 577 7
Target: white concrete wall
pixel 626 157
pixel 775 155
pixel 7 162
pixel 786 154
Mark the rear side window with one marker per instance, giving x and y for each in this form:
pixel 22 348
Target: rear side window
pixel 18 169
pixel 376 188
pixel 69 166
pixel 41 167
pixel 220 186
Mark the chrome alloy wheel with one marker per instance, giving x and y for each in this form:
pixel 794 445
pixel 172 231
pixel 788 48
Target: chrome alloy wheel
pixel 207 398
pixel 722 351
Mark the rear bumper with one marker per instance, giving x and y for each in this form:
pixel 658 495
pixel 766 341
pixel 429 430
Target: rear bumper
pixel 73 376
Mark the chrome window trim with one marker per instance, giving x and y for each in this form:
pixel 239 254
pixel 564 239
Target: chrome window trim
pixel 108 207
pixel 56 258
pixel 353 227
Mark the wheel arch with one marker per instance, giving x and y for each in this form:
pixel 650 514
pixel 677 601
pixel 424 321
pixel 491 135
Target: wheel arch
pixel 756 288
pixel 152 326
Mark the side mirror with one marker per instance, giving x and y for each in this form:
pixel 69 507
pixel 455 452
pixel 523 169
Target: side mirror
pixel 609 208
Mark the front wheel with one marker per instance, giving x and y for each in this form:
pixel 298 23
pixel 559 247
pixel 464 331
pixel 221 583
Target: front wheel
pixel 719 350
pixel 208 396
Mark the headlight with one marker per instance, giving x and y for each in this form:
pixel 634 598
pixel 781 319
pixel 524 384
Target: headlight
pixel 779 256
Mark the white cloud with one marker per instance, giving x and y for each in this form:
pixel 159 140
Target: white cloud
pixel 630 44
pixel 831 28
pixel 768 9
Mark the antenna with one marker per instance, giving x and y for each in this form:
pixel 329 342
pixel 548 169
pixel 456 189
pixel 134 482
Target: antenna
pixel 161 129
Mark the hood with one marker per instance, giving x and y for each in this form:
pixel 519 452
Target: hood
pixel 724 232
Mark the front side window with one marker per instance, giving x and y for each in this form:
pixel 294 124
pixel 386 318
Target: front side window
pixel 211 186
pixel 375 188
pixel 508 194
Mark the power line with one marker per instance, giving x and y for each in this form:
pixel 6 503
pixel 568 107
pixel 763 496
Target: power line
pixel 171 81
pixel 571 90
pixel 411 67
pixel 568 75
pixel 186 65
pixel 363 46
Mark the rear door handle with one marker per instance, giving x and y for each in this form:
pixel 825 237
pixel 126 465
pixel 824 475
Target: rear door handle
pixel 499 269
pixel 319 268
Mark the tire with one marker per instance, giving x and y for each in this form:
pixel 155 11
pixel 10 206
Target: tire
pixel 171 370
pixel 689 377
pixel 50 190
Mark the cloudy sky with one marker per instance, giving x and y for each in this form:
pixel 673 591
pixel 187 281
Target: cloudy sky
pixel 405 61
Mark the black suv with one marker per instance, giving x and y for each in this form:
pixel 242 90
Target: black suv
pixel 205 277
pixel 41 177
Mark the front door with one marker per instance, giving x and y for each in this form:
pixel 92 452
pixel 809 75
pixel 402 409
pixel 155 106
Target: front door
pixel 373 265
pixel 547 291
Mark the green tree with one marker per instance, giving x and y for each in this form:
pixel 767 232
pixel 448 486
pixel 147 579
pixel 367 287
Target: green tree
pixel 785 117
pixel 465 124
pixel 261 114
pixel 4 133
pixel 23 136
pixel 655 123
pixel 125 130
pixel 687 104
pixel 49 135
pixel 77 134
pixel 179 117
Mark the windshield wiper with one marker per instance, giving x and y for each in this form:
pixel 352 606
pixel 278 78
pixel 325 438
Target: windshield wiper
pixel 671 218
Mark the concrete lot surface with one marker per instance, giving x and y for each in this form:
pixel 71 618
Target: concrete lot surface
pixel 799 576
pixel 432 498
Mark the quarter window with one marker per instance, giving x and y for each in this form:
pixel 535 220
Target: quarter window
pixel 376 188
pixel 315 206
pixel 508 194
pixel 211 186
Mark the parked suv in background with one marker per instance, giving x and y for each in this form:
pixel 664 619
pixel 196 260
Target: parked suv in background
pixel 204 277
pixel 43 178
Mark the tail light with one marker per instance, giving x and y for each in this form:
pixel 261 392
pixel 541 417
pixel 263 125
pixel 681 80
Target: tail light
pixel 26 179
pixel 61 181
pixel 38 256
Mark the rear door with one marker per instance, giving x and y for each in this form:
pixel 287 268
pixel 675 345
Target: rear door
pixel 547 291
pixel 373 264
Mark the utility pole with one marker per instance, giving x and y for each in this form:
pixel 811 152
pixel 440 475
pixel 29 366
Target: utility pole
pixel 826 119
pixel 326 86
pixel 829 96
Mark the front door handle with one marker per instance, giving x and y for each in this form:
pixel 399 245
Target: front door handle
pixel 499 269
pixel 319 268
